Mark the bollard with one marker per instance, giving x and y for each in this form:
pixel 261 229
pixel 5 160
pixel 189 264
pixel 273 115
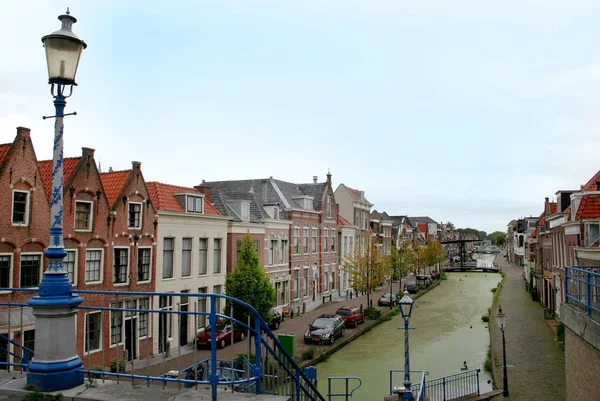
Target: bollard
pixel 361 309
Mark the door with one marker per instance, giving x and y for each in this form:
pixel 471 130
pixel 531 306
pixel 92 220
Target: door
pixel 162 332
pixel 183 328
pixel 131 338
pixel 4 351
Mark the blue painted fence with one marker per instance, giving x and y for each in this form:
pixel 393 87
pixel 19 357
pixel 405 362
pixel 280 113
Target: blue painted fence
pixel 582 289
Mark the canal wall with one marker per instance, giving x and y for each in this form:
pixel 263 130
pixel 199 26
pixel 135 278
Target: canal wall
pixel 322 353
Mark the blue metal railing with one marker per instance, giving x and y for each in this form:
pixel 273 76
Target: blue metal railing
pixel 347 392
pixel 454 386
pixel 582 288
pixel 417 388
pixel 141 325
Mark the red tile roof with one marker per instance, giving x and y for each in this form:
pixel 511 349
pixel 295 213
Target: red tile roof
pixel 69 164
pixel 568 212
pixel 589 208
pixel 113 184
pixel 4 148
pixel 163 198
pixel 592 185
pixel 356 194
pixel 343 222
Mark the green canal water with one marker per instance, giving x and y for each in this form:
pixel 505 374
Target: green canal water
pixel 448 331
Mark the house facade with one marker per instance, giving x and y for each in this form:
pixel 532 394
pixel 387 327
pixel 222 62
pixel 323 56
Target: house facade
pixel 354 207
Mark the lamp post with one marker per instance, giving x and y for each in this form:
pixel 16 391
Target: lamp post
pixel 501 321
pixel 406 305
pixel 56 365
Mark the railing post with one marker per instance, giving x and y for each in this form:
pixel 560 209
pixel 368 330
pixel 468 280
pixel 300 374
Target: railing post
pixel 567 271
pixel 589 293
pixel 444 388
pixel 478 387
pixel 214 379
pixel 258 370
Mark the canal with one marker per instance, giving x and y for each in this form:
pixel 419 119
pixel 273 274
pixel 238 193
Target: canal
pixel 448 331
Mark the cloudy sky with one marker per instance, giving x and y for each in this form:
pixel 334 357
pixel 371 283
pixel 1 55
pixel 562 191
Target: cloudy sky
pixel 468 111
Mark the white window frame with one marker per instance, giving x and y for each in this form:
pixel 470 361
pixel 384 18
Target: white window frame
pixel 162 268
pixel 85 336
pixel 12 211
pixel 220 258
pixel 329 206
pixel 40 276
pixel 122 341
pixel 191 253
pixel 91 218
pixel 75 265
pixel 101 277
pixel 149 267
pixel 10 270
pixel 127 270
pixel 190 203
pixel 139 227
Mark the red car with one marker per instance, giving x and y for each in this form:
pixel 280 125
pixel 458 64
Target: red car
pixel 352 315
pixel 203 338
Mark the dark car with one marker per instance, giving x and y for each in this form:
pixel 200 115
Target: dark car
pixel 426 280
pixel 325 329
pixel 203 338
pixel 352 315
pixel 387 300
pixel 275 320
pixel 411 286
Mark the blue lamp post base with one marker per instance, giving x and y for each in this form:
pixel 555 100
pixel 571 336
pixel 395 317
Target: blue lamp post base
pixel 55 376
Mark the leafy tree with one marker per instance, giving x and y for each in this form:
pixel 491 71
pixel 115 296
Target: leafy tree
pixel 401 260
pixel 249 283
pixel 480 234
pixel 434 253
pixel 367 269
pixel 498 238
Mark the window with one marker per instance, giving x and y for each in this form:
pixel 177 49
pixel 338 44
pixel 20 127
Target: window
pixel 284 251
pixel 5 271
pixel 357 218
pixel 20 212
pixel 195 204
pixel 202 307
pixel 186 257
pixel 93 331
pixel 217 255
pixel 93 265
pixel 326 278
pixel 296 283
pixel 276 213
pixel 272 251
pixel 329 206
pixel 592 233
pixel 245 211
pixel 135 215
pixel 257 246
pixel 83 213
pixel 30 270
pixel 345 250
pixel 29 342
pixel 116 324
pixel 70 264
pixel 218 289
pixel 203 257
pixel 333 240
pixel 351 248
pixel 305 240
pixel 305 284
pixel 314 240
pixel 143 305
pixel 168 247
pixel 325 235
pixel 120 265
pixel 143 264
pixel 295 240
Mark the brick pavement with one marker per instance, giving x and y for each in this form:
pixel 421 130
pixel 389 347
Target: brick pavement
pixel 536 364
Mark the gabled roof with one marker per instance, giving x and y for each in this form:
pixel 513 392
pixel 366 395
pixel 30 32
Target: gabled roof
pixel 113 183
pixel 589 208
pixel 423 219
pixel 398 220
pixel 356 194
pixel 315 189
pixel 45 166
pixel 342 221
pixel 4 148
pixel 223 192
pixel 592 185
pixel 163 198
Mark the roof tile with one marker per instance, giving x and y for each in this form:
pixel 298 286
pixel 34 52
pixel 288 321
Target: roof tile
pixel 113 183
pixel 163 198
pixel 45 166
pixel 592 184
pixel 589 208
pixel 4 148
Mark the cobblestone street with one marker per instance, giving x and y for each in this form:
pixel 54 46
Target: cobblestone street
pixel 536 364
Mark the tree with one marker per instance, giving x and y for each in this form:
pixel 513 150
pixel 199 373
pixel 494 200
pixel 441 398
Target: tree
pixel 434 253
pixel 480 234
pixel 498 238
pixel 401 260
pixel 250 283
pixel 366 267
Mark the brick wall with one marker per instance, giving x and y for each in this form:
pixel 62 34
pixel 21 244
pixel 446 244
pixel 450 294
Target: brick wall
pixel 582 362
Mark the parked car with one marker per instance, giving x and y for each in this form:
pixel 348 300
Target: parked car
pixel 425 280
pixel 275 320
pixel 387 300
pixel 411 286
pixel 325 329
pixel 352 315
pixel 224 328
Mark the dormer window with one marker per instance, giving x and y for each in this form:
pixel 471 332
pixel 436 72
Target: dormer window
pixel 245 211
pixel 305 202
pixel 195 204
pixel 276 213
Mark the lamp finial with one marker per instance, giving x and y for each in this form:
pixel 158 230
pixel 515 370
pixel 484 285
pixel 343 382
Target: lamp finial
pixel 68 12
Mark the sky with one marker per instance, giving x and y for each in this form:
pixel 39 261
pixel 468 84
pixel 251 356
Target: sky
pixel 467 111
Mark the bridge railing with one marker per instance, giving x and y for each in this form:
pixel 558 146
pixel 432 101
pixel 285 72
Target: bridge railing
pixel 152 339
pixel 454 386
pixel 417 388
pixel 582 289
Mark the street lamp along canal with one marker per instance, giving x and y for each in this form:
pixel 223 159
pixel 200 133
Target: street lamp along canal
pixel 56 365
pixel 406 305
pixel 501 321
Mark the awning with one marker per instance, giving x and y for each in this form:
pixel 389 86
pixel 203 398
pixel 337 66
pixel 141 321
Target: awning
pixel 15 317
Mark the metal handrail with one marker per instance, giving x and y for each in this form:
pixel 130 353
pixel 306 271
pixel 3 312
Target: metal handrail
pixel 582 288
pixel 348 393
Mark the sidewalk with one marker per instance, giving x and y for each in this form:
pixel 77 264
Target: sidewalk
pixel 536 364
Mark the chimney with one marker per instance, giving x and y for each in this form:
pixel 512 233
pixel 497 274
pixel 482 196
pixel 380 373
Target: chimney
pixel 264 190
pixel 110 169
pixel 315 179
pixel 328 177
pixel 23 132
pixel 136 165
pixel 547 206
pixel 206 190
pixel 87 152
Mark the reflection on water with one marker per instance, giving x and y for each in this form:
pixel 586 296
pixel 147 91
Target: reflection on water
pixel 448 331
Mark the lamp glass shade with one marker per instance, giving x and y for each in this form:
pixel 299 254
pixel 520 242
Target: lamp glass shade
pixel 62 57
pixel 501 319
pixel 406 305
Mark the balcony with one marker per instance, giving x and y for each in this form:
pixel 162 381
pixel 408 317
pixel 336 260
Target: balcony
pixel 582 289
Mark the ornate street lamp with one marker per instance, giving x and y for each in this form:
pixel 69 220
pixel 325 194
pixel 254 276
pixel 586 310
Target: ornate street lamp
pixel 406 305
pixel 56 365
pixel 501 321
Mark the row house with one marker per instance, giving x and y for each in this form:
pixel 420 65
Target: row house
pixel 381 226
pixel 425 226
pixel 109 231
pixel 191 258
pixel 403 230
pixel 354 207
pixel 346 235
